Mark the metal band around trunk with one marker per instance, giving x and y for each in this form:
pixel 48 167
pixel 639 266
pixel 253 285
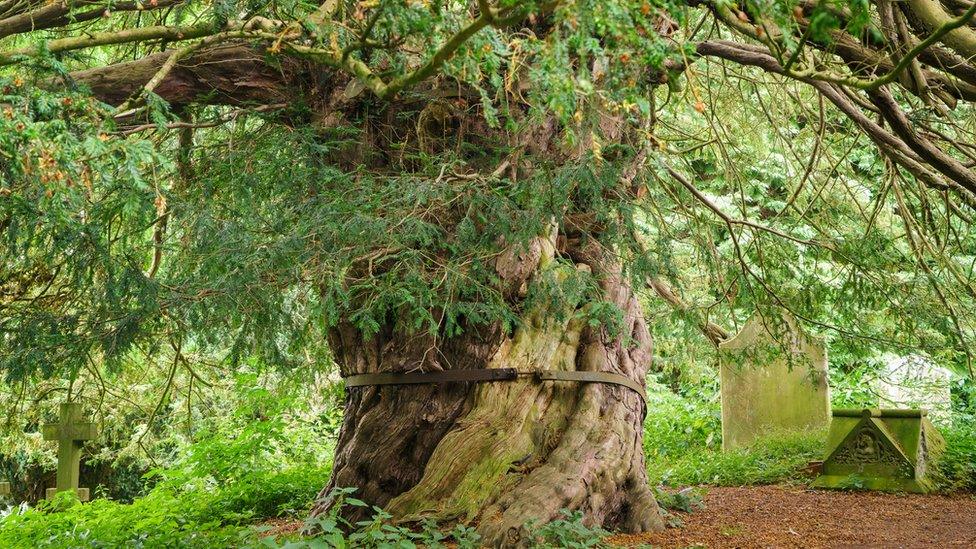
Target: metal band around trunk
pixel 593 377
pixel 442 376
pixel 490 375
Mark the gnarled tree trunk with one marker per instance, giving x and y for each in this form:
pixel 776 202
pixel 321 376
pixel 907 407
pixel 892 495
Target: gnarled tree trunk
pixel 498 454
pixel 501 454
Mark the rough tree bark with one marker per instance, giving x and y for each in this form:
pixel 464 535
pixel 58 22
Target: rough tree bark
pixel 492 454
pixel 501 454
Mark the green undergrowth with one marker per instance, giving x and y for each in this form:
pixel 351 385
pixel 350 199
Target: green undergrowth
pixel 263 458
pixel 226 518
pixel 683 443
pixel 956 468
pixel 216 515
pixel 775 459
pixel 166 517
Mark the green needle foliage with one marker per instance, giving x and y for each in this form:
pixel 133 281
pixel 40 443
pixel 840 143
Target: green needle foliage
pixel 371 160
pixel 76 208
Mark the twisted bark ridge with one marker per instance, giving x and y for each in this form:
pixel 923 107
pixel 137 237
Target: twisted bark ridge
pixel 502 455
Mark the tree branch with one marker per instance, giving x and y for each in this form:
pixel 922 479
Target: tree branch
pixel 960 38
pixel 232 73
pixel 139 34
pixel 715 333
pixel 58 14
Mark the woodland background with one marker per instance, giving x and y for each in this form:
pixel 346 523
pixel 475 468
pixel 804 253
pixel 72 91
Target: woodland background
pixel 219 399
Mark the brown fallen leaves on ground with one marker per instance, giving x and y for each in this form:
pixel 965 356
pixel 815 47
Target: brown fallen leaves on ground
pixel 785 516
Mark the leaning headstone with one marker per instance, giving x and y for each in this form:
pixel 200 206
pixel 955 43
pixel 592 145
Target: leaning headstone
pixel 71 431
pixel 773 379
pixel 915 382
pixel 880 449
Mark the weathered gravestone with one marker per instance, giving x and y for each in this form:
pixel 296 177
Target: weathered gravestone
pixel 880 449
pixel 4 489
pixel 70 432
pixel 773 378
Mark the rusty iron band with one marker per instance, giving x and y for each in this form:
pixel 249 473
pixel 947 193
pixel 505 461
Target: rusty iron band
pixel 490 375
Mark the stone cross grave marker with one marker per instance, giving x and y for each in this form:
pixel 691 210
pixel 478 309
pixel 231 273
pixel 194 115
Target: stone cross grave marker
pixel 880 449
pixel 773 379
pixel 70 432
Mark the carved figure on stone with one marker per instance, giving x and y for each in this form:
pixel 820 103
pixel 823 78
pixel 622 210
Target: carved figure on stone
pixel 880 449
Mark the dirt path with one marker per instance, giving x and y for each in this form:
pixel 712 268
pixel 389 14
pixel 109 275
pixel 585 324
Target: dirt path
pixel 780 516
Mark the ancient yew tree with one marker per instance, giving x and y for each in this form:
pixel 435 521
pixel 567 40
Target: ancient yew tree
pixel 410 186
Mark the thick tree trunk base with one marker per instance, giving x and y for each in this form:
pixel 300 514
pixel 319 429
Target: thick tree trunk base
pixel 502 455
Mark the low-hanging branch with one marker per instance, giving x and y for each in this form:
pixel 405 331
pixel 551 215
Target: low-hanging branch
pixel 903 64
pixel 715 333
pixel 60 13
pixel 127 36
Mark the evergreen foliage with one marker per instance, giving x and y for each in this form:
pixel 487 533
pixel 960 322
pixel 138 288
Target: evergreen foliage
pixel 371 160
pixel 272 241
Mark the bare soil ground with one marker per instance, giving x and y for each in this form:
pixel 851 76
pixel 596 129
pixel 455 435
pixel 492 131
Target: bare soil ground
pixel 281 527
pixel 783 516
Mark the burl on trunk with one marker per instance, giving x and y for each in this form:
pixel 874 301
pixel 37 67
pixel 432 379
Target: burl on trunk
pixel 501 454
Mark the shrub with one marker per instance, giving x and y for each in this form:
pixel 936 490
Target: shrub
pixel 676 424
pixel 956 467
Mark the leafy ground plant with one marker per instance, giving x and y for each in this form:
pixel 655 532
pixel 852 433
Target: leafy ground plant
pixel 333 531
pixel 569 532
pixel 686 500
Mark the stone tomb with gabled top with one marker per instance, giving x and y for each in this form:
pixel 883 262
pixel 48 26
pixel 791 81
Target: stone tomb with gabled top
pixel 880 449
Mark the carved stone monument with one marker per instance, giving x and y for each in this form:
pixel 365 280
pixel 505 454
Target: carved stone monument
pixel 70 432
pixel 773 379
pixel 880 449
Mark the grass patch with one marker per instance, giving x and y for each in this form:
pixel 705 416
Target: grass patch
pixel 775 459
pixel 683 443
pixel 166 517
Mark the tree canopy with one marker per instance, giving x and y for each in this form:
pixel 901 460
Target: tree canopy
pixel 234 178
